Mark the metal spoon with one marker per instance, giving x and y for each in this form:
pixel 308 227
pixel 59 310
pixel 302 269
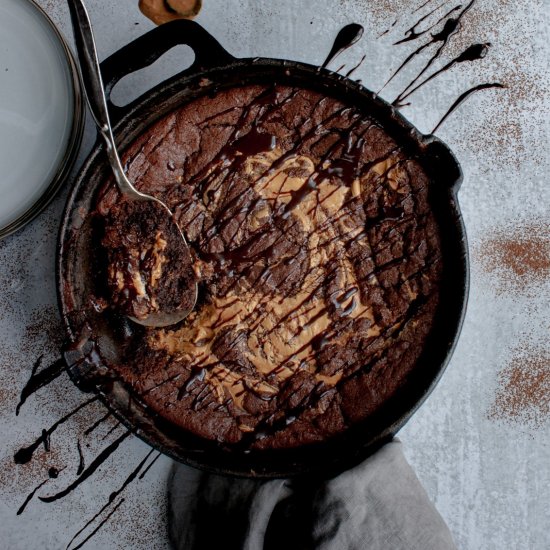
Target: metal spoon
pixel 95 94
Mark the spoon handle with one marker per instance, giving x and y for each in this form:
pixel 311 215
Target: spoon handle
pixel 95 94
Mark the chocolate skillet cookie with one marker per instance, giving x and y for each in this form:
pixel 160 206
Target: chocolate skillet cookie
pixel 319 264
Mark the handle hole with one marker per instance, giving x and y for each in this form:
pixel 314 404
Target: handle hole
pixel 134 85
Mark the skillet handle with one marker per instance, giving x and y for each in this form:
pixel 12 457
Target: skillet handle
pixel 146 49
pixel 443 164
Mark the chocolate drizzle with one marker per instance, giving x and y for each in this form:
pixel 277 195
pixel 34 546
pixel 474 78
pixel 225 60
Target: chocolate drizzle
pixel 97 423
pixel 151 464
pixel 111 430
pixel 412 34
pixel 355 67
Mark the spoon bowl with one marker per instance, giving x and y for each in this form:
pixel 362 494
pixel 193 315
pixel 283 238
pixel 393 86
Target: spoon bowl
pixel 95 95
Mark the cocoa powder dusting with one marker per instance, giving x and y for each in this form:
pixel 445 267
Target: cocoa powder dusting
pixel 518 257
pixel 523 394
pixel 525 258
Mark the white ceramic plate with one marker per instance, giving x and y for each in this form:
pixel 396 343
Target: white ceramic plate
pixel 39 108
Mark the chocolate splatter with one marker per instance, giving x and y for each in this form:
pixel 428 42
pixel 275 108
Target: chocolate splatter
pixel 412 33
pixel 451 25
pixel 440 38
pixel 355 67
pixel 515 135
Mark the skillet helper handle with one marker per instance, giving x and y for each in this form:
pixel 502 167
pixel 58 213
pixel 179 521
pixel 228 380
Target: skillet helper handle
pixel 146 49
pixel 82 360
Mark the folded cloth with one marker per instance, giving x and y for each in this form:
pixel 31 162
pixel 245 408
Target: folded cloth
pixel 378 505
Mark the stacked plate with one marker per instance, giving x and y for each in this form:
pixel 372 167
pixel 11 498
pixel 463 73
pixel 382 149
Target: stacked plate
pixel 41 112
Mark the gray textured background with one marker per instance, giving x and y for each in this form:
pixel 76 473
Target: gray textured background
pixel 488 478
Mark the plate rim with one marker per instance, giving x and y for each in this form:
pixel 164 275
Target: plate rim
pixel 75 137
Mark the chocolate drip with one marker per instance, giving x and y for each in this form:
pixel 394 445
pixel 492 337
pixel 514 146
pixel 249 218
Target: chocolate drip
pixel 472 53
pixel 46 440
pixel 98 423
pixel 30 497
pixel 345 167
pixel 105 520
pixel 398 18
pixel 346 37
pixel 355 67
pixel 96 463
pixel 424 4
pixel 37 381
pixel 112 497
pixel 151 464
pixel 111 431
pixel 340 68
pixel 80 468
pixel 450 27
pixel 463 98
pixel 412 34
pixel 25 454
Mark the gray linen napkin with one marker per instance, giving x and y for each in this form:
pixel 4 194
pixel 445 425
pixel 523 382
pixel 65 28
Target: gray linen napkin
pixel 378 505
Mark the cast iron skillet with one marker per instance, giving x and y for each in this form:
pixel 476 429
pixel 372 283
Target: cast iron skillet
pixel 93 342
